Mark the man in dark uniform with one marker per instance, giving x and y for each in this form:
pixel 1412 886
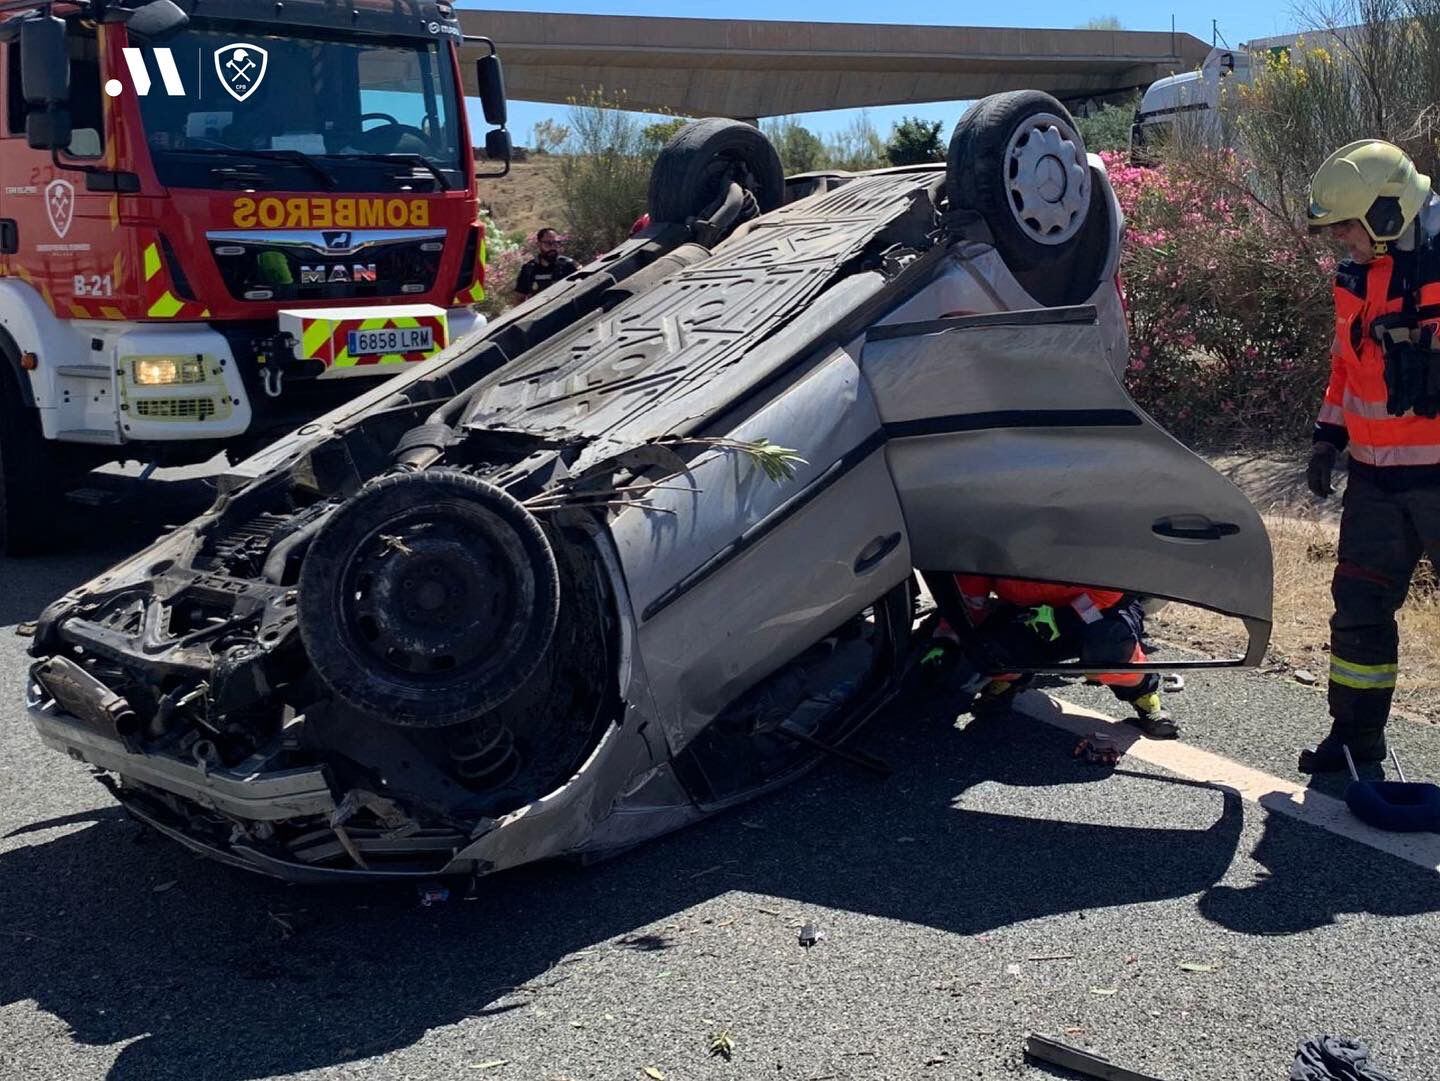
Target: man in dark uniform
pixel 548 266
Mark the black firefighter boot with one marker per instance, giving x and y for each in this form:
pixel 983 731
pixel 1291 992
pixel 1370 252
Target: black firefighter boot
pixel 1366 745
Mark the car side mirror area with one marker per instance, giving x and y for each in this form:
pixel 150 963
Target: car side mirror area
pixel 156 20
pixel 45 82
pixel 498 147
pixel 44 62
pixel 490 79
pixel 49 129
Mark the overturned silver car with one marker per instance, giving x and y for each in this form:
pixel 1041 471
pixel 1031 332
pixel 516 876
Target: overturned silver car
pixel 649 546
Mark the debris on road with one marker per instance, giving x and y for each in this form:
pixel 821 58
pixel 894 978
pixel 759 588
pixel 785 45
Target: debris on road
pixel 1334 1058
pixel 433 895
pixel 1307 677
pixel 1055 1053
pixel 810 935
pixel 1196 966
pixel 1052 957
pixel 722 1044
pixel 654 1073
pixel 493 1064
pixel 163 886
pixel 1104 990
pixel 1098 749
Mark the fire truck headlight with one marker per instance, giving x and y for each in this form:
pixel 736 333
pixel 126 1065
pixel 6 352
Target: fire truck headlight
pixel 166 371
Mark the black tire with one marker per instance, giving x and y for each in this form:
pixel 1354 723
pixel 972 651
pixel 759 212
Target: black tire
pixel 696 166
pixel 428 599
pixel 27 496
pixel 1057 245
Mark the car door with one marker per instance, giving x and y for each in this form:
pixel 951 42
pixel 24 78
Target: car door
pixel 1016 451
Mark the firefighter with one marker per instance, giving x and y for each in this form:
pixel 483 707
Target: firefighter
pixel 1383 405
pixel 1024 623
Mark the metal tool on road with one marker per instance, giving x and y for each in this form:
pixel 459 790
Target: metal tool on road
pixel 1055 1053
pixel 1398 806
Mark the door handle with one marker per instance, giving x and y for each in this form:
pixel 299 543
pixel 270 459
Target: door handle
pixel 1195 528
pixel 873 553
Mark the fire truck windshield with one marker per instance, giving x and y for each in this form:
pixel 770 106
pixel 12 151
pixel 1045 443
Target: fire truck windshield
pixel 303 110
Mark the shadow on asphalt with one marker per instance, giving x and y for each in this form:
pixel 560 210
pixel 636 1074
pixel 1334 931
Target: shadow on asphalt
pixel 205 980
pixel 206 983
pixel 89 539
pixel 1305 886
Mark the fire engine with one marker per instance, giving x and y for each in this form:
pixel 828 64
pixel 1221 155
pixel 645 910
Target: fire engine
pixel 218 219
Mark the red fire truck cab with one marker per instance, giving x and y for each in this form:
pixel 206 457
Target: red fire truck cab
pixel 218 219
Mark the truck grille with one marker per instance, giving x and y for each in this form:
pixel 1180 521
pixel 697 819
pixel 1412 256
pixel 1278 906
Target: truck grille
pixel 331 264
pixel 176 408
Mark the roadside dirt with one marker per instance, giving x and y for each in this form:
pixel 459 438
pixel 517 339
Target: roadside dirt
pixel 526 199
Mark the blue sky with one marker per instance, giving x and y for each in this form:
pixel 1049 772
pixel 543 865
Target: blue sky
pixel 1238 21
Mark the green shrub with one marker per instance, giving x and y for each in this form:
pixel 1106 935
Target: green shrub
pixel 1229 306
pixel 914 141
pixel 604 174
pixel 1108 129
pixel 800 149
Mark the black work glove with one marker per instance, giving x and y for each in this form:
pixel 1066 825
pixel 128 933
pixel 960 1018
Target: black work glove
pixel 1321 469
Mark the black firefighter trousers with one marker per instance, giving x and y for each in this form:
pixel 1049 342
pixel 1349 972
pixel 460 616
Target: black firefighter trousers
pixel 1390 519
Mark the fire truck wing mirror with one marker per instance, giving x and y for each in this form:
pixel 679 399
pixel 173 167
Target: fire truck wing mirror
pixel 490 78
pixel 157 19
pixel 497 145
pixel 44 62
pixel 49 129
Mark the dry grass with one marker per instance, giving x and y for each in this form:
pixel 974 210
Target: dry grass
pixel 1304 562
pixel 526 199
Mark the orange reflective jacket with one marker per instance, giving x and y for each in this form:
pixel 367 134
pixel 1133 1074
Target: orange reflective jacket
pixel 975 590
pixel 1354 409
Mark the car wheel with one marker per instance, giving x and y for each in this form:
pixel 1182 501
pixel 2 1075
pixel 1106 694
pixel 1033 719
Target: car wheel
pixel 27 497
pixel 1018 160
pixel 696 167
pixel 428 599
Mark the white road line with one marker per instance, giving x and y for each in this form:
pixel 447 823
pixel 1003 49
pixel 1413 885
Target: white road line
pixel 1274 794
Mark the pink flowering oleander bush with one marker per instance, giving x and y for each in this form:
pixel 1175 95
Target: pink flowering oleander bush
pixel 1229 305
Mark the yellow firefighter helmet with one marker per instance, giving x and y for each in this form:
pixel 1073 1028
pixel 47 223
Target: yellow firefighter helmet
pixel 1372 182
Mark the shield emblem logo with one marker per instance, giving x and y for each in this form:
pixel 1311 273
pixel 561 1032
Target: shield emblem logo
pixel 60 205
pixel 241 68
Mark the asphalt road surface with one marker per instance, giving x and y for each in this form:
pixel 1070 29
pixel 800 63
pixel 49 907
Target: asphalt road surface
pixel 991 887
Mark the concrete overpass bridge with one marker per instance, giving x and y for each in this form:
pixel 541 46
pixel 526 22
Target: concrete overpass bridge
pixel 752 69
